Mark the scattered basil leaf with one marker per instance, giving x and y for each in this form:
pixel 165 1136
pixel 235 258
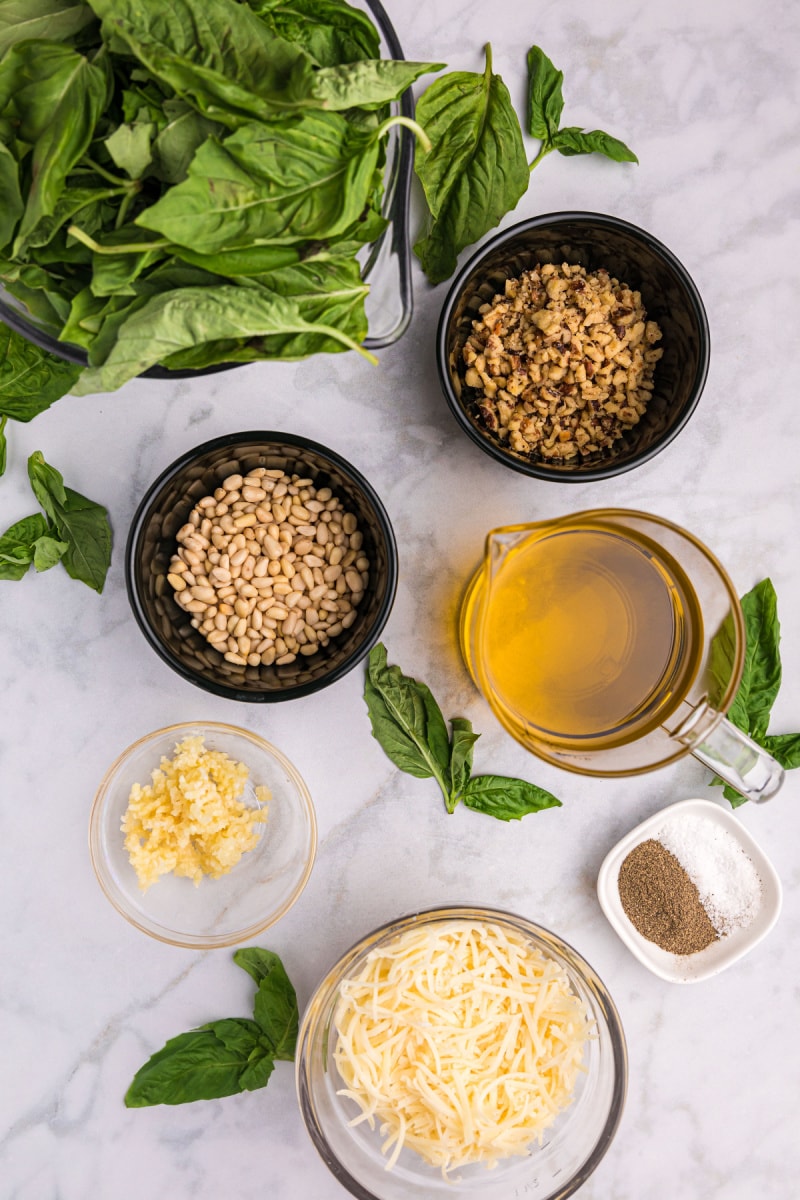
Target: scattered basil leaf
pixel 275 1008
pixel 3 445
pixel 18 546
pixel 80 523
pixel 476 170
pixel 506 799
pixel 30 379
pixel 545 99
pixel 226 1056
pixel 47 551
pixel 572 141
pixel 204 1064
pixel 408 725
pixel 784 747
pixel 761 678
pixel 406 721
pixel 462 742
pixel 545 105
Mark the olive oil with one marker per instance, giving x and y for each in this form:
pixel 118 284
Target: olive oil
pixel 589 636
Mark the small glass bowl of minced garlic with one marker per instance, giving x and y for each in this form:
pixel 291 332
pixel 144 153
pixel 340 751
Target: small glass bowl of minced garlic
pixel 202 834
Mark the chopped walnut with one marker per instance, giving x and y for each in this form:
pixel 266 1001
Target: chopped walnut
pixel 564 361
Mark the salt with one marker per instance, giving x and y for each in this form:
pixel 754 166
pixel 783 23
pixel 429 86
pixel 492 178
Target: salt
pixel 726 880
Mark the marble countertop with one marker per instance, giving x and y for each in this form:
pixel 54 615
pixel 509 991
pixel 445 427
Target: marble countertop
pixel 706 92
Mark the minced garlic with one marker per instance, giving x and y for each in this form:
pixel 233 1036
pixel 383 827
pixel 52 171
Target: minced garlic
pixel 191 820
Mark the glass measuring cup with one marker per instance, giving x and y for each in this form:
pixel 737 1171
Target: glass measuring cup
pixel 611 642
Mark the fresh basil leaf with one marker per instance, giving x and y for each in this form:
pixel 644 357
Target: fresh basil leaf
pixel 406 721
pixel 367 84
pixel 722 653
pixel 79 522
pixel 330 31
pixel 56 20
pixel 545 99
pixel 130 146
pixel 476 170
pixel 3 445
pixel 176 144
pixel 219 56
pixel 326 292
pixel 761 676
pixel 58 97
pixel 186 317
pixel 462 741
pixel 12 205
pixel 735 798
pixel 275 1007
pixel 505 798
pixel 74 202
pixel 47 551
pixel 260 1066
pixel 30 379
pixel 572 140
pixel 303 179
pixel 204 1064
pixel 784 747
pixel 17 546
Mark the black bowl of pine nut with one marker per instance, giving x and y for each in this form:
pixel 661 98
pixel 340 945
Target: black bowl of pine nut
pixel 573 346
pixel 261 566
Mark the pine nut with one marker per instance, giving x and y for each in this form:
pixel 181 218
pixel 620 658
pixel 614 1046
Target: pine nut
pixel 254 495
pixel 177 582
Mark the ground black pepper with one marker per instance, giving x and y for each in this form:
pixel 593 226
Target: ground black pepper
pixel 662 902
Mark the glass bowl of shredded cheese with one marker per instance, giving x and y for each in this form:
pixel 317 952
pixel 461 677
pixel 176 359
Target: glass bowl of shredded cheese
pixel 461 1052
pixel 202 834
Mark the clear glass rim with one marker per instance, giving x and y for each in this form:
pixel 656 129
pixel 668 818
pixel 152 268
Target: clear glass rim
pixel 177 938
pixel 319 1003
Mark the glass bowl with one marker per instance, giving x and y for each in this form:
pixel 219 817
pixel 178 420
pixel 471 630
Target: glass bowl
pixel 571 1148
pixel 385 263
pixel 255 893
pixel 635 258
pixel 151 544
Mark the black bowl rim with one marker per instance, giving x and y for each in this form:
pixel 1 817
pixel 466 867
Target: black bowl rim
pixel 239 439
pixel 602 470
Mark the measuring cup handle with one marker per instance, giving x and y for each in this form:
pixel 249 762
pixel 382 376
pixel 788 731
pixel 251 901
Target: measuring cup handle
pixel 731 754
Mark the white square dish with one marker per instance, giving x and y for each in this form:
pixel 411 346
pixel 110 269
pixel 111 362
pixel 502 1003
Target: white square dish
pixel 690 968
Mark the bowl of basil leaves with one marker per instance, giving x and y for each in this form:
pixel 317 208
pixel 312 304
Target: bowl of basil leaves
pixel 638 261
pixel 191 186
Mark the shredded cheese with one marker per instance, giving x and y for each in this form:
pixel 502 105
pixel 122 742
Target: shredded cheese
pixel 191 820
pixel 460 1040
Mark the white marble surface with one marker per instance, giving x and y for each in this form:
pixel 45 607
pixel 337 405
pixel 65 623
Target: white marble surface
pixel 706 92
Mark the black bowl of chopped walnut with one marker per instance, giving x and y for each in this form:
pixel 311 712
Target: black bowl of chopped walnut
pixel 573 346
